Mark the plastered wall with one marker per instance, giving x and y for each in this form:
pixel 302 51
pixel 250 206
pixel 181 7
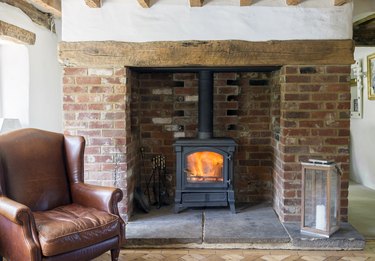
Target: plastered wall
pixel 32 88
pixel 175 20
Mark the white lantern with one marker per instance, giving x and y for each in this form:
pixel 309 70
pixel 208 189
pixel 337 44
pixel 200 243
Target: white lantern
pixel 321 183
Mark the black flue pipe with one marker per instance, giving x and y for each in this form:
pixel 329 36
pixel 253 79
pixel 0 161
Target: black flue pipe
pixel 205 104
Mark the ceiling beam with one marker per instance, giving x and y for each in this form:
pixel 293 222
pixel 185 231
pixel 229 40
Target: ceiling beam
pixel 341 2
pixel 94 3
pixel 38 17
pixel 196 3
pixel 364 20
pixel 293 2
pixel 245 2
pixel 145 3
pixel 364 37
pixel 48 6
pixel 16 34
pixel 364 31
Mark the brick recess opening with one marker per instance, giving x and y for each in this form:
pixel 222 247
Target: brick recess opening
pixel 278 119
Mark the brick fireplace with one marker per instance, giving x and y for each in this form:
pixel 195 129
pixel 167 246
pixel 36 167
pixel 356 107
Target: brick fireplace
pixel 278 118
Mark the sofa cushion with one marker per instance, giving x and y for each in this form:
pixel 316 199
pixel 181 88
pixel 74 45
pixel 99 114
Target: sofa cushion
pixel 73 226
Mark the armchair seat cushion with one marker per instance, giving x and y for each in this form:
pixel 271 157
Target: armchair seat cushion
pixel 73 226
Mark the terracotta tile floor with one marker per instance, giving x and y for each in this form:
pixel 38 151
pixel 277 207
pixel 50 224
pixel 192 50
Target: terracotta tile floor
pixel 367 254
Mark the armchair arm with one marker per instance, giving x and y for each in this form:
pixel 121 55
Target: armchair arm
pixel 12 210
pixel 99 197
pixel 19 239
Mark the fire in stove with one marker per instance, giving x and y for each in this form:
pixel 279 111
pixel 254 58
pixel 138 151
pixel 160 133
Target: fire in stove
pixel 204 166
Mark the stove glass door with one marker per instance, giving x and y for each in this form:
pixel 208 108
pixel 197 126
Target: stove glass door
pixel 204 166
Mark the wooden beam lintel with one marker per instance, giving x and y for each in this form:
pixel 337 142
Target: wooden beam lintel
pixel 206 53
pixel 16 34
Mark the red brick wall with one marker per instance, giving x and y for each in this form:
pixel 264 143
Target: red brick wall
pixel 278 120
pixel 154 95
pixel 278 191
pixel 314 123
pixel 94 105
pixel 254 157
pixel 168 110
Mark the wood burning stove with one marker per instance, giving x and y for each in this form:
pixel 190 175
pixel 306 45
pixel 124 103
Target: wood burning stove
pixel 204 173
pixel 204 166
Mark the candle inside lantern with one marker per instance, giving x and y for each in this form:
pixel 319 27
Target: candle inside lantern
pixel 320 217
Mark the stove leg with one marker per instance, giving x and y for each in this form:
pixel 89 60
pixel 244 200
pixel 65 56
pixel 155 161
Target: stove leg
pixel 232 208
pixel 231 201
pixel 177 201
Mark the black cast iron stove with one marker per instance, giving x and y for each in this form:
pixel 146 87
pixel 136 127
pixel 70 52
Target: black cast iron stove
pixel 204 167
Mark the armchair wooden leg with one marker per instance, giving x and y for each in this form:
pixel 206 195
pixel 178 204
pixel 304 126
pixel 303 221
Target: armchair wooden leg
pixel 114 254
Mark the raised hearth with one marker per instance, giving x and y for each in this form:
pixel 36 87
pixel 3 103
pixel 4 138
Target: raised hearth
pixel 254 226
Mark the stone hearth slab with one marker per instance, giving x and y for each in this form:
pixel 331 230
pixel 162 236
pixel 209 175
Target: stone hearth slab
pixel 211 226
pixel 346 238
pixel 163 227
pixel 251 224
pixel 254 226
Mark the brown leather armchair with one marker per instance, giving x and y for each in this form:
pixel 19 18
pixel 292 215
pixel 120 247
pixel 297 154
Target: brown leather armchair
pixel 46 211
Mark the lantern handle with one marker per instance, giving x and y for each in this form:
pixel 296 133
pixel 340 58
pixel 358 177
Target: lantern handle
pixel 338 168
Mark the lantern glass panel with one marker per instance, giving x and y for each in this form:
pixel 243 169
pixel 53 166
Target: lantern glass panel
pixel 315 199
pixel 321 184
pixel 334 195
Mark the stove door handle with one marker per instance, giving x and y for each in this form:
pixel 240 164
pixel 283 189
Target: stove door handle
pixel 229 182
pixel 229 157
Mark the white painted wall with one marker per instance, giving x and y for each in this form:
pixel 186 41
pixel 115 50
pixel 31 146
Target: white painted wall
pixel 14 61
pixel 363 132
pixel 42 97
pixel 173 20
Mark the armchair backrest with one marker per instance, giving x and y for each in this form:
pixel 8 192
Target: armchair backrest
pixel 33 169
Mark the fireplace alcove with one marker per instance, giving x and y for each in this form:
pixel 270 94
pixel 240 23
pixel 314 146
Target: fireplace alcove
pixel 167 113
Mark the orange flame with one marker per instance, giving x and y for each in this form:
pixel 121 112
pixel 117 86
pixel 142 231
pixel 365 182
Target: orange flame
pixel 205 166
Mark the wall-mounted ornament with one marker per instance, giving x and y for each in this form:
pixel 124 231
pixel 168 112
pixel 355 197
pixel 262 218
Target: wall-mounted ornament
pixel 356 90
pixel 371 76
